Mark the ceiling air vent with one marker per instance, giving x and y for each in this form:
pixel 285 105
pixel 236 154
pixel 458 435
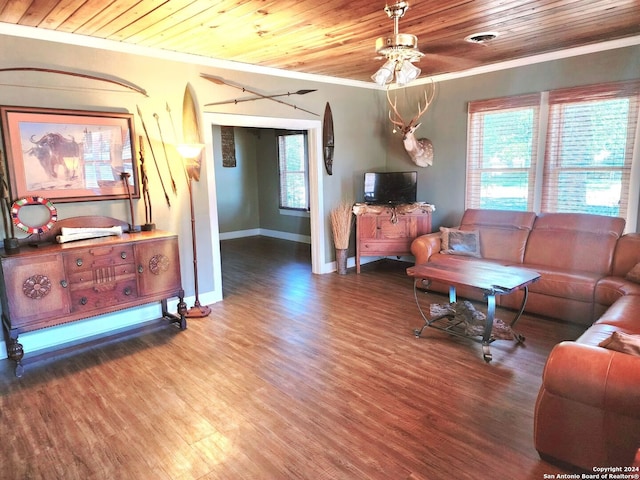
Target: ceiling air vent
pixel 482 37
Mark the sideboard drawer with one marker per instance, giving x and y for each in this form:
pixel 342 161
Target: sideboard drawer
pixel 100 274
pixel 104 295
pixel 98 257
pixel 387 247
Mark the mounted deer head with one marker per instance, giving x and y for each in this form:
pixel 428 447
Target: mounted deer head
pixel 420 150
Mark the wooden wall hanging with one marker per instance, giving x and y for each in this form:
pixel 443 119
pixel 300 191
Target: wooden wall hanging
pixel 219 81
pixel 228 146
pixel 191 132
pixel 121 83
pixel 327 139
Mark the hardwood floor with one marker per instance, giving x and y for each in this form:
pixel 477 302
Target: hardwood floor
pixel 293 376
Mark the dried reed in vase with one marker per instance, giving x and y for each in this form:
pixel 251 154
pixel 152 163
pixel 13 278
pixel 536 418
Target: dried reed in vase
pixel 341 221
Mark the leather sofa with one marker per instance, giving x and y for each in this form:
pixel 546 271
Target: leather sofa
pixel 588 409
pixel 572 252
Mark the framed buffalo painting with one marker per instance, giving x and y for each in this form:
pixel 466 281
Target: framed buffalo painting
pixel 69 155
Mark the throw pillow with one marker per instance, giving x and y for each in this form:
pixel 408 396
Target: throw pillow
pixel 460 242
pixel 622 342
pixel 634 274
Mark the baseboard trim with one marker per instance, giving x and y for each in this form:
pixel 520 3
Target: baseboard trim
pixel 254 232
pixel 102 325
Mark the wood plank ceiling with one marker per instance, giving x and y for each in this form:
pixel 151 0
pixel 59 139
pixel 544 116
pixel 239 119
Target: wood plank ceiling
pixel 336 38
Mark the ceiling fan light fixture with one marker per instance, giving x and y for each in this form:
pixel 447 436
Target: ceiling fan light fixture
pixel 400 49
pixel 407 73
pixel 384 74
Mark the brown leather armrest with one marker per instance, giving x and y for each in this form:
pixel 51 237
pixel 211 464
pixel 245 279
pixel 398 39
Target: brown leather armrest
pixel 425 246
pixel 594 376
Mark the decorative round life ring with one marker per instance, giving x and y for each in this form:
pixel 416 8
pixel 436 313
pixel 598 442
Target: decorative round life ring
pixel 18 204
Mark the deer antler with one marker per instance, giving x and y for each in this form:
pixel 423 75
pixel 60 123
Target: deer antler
pixel 397 119
pixel 427 101
pixel 396 113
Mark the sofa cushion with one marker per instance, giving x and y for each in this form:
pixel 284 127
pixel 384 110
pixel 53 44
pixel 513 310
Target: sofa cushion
pixel 627 254
pixel 509 219
pixel 570 310
pixel 624 315
pixel 503 233
pixel 596 334
pixel 622 342
pixel 459 242
pixel 610 289
pixel 558 282
pixel 574 242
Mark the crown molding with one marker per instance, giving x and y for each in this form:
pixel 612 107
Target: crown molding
pixel 121 47
pixel 531 60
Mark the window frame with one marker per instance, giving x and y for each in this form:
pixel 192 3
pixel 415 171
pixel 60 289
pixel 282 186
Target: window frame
pixel 476 126
pixel 545 144
pixel 283 175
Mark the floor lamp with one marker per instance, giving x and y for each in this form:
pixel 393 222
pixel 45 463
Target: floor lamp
pixel 191 151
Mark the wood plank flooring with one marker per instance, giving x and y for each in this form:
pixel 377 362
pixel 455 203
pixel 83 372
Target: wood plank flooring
pixel 293 376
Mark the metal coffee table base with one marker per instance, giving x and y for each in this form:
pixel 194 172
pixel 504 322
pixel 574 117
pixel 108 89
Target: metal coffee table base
pixel 457 329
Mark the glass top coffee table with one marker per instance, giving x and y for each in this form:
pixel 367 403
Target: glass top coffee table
pixel 490 278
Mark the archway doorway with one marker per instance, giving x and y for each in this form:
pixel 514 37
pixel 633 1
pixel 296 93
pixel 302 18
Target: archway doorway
pixel 314 132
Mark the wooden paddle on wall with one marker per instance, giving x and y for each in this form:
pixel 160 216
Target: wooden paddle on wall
pixel 328 143
pixel 191 131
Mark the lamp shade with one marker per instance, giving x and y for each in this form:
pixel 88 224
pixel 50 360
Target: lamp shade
pixel 385 74
pixel 407 73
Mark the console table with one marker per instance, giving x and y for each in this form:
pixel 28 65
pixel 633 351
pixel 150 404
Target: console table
pixel 49 284
pixel 383 230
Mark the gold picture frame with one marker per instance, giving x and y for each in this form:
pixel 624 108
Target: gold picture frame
pixel 69 155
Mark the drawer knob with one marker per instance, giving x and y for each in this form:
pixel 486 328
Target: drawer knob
pixel 79 262
pixel 140 269
pixel 83 301
pixel 127 291
pixel 123 255
pixel 64 283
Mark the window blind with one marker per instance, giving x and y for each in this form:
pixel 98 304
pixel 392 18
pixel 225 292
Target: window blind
pixel 585 143
pixel 502 152
pixel 589 149
pixel 292 166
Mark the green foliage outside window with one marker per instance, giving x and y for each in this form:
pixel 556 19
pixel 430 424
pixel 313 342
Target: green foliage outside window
pixel 293 166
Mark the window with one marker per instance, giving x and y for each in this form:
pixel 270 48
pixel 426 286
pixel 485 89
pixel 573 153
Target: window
pixel 293 166
pixel 502 153
pixel 584 140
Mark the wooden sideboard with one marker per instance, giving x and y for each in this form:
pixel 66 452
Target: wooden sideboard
pixel 52 284
pixel 389 230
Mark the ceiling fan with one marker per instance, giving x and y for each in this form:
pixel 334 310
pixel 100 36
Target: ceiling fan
pixel 400 51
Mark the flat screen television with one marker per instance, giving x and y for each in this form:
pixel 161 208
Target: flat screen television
pixel 390 187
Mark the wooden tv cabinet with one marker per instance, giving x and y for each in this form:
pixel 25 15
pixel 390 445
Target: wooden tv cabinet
pixel 52 284
pixel 389 230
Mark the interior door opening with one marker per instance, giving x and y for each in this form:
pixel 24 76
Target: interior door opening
pixel 314 132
